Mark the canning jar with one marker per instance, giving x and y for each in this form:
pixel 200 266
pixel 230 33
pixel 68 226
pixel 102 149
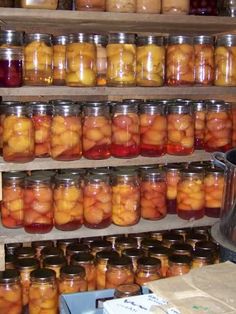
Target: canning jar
pixel 68 202
pixel 18 134
pixel 134 254
pixel 39 4
pixel 74 249
pixel 191 195
pixel 193 237
pixel 169 238
pixel 101 43
pixel 121 59
pixel 203 7
pixel 180 61
pixel 199 112
pixel 123 243
pixel 225 60
pixel 12 207
pixel 209 247
pixel 218 131
pixel 38 58
pixel 11 38
pixel 54 263
pixel 179 265
pixel 201 258
pixel 90 5
pixel 43 292
pixel 150 61
pixel 153 195
pixel 180 7
pixel 7 3
pixel 66 132
pixel 11 63
pixel 59 59
pixel 96 131
pixel 25 252
pixel 127 290
pixel 172 179
pixel 65 5
pixel 162 254
pixel 149 243
pixel 125 131
pixel 157 235
pixel 234 125
pixel 204 60
pixel 182 249
pixel 72 280
pixel 148 269
pixel 42 120
pixel 148 6
pixel 121 6
pixel 63 244
pixel 100 245
pixel 40 245
pixel 81 61
pixel 11 292
pixel 125 198
pixel 38 204
pixel 50 252
pixel 180 125
pixel 119 271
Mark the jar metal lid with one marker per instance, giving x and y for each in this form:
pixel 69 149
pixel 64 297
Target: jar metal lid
pixel 10 36
pixel 17 109
pixel 81 258
pixel 125 107
pixel 71 271
pixel 153 174
pixel 41 108
pixel 100 39
pixel 106 255
pixel 201 254
pixel 122 173
pixel 150 40
pixel 228 40
pixel 76 172
pixel 180 259
pixel 96 108
pixel 100 171
pixel 60 40
pixel 127 290
pixel 27 263
pixel 10 52
pixel 56 102
pixel 218 107
pixel 22 252
pixel 179 109
pixel 203 40
pixel 160 251
pixel 199 105
pixel 46 173
pixel 173 40
pixel 192 172
pixel 38 179
pixel 67 179
pixel 80 38
pixel 9 103
pixel 13 176
pixel 9 276
pixel 207 246
pixel 126 240
pixel 66 109
pixel 180 248
pixel 38 37
pixel 54 261
pixel 101 244
pixel 121 38
pixel 42 244
pixel 120 261
pixel 195 237
pixel 152 108
pixel 149 262
pixel 150 243
pixel 132 252
pixel 66 241
pixel 170 236
pixel 214 171
pixel 42 275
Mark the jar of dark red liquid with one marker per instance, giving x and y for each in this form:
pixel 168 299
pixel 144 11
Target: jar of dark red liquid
pixel 149 269
pixel 125 131
pixel 172 179
pixel 199 111
pixel 96 131
pixel 153 130
pixel 203 7
pixel 179 265
pixel 38 204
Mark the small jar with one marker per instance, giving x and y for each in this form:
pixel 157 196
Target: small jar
pixel 25 252
pixel 40 245
pixel 68 202
pixel 180 126
pixel 11 38
pixel 11 63
pixel 153 130
pixel 66 132
pixel 63 244
pixel 42 4
pixel 199 112
pixel 101 43
pixel 121 6
pixel 134 254
pixel 173 7
pixel 7 3
pixel 100 245
pixel 172 179
pixel 72 280
pixel 179 265
pixel 206 7
pixel 38 58
pixel 125 131
pixel 38 204
pixel 219 126
pixel 180 61
pixel 10 262
pixel 90 5
pixel 81 61
pixel 192 238
pixel 65 5
pixel 148 6
pixel 127 290
pixel 18 134
pixel 182 249
pixel 12 206
pixel 54 263
pixel 59 59
pixel 42 120
pixel 201 258
pixel 11 292
pixel 204 60
pixel 149 243
pixel 74 249
pixel 170 238
pixel 149 269
pixel 119 271
pixel 125 199
pixel 43 292
pixel 157 235
pixel 50 252
pixel 209 247
pixel 123 243
pixel 161 253
pixel 121 59
pixel 150 61
pixel 225 60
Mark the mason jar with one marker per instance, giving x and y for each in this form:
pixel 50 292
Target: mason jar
pixel 127 290
pixel 90 5
pixel 149 243
pixel 101 43
pixel 40 245
pixel 170 238
pixel 202 258
pixel 148 269
pixel 199 112
pixel 148 6
pixel 74 249
pixel 63 244
pixel 11 38
pixel 72 280
pixel 134 254
pixel 54 263
pixel 59 59
pixel 121 6
pixel 180 7
pixel 179 265
pixel 182 249
pixel 123 243
pixel 173 172
pixel 161 253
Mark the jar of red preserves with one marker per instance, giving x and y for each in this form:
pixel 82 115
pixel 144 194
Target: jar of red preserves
pixel 199 112
pixel 179 265
pixel 172 179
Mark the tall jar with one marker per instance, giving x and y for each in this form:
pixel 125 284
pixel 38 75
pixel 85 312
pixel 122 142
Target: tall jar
pixel 206 7
pixel 90 5
pixel 18 134
pixel 97 202
pixel 11 38
pixel 180 126
pixel 201 258
pixel 172 7
pixel 72 280
pixel 150 61
pixel 81 61
pixel 180 61
pixel 121 6
pixel 12 206
pixel 96 131
pixel 101 43
pixel 125 131
pixel 149 269
pixel 204 60
pixel 125 198
pixel 162 254
pixel 119 271
pixel 153 129
pixel 24 252
pixel 66 132
pixel 179 265
pixel 225 60
pixel 173 172
pixel 191 195
pixel 38 204
pixel 199 112
pixel 59 59
pixel 38 59
pixel 121 59
pixel 68 202
pixel 43 292
pixel 148 6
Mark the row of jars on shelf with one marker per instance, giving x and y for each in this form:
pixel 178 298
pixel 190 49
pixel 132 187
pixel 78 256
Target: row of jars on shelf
pixel 121 59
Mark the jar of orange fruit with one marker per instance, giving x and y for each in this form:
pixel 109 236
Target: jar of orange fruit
pixel 179 265
pixel 149 269
pixel 72 280
pixel 199 112
pixel 59 59
pixel 172 179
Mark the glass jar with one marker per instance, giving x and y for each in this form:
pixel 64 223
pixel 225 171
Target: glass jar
pixel 125 198
pixel 201 258
pixel 183 232
pixel 38 204
pixel 162 254
pixel 139 237
pixel 54 263
pixel 180 61
pixel 157 235
pixel 63 244
pixel 170 238
pixel 38 58
pixel 153 195
pixel 219 126
pixel 12 207
pixel 119 271
pixel 90 5
pixel 172 179
pixel 42 4
pixel 173 7
pixel 59 59
pixel 42 120
pixel 96 131
pixel 7 3
pixel 100 245
pixel 149 243
pixel 182 249
pixel 74 249
pixel 11 292
pixel 40 245
pixel 81 61
pixel 225 60
pixel 227 8
pixel 43 292
pixel 11 38
pixel 2 117
pixel 148 6
pixel 204 60
pixel 25 252
pixel 192 238
pixel 153 130
pixel 18 134
pixel 65 5
pixel 209 247
pixel 10 262
pixel 199 112
pixel 125 131
pixel 121 58
pixel 134 254
pixel 123 243
pixel 101 43
pixel 72 280
pixel 203 7
pixel 121 6
pixel 68 202
pixel 179 265
pixel 66 132
pixel 180 125
pixel 127 290
pixel 149 269
pixel 11 63
pixel 150 61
